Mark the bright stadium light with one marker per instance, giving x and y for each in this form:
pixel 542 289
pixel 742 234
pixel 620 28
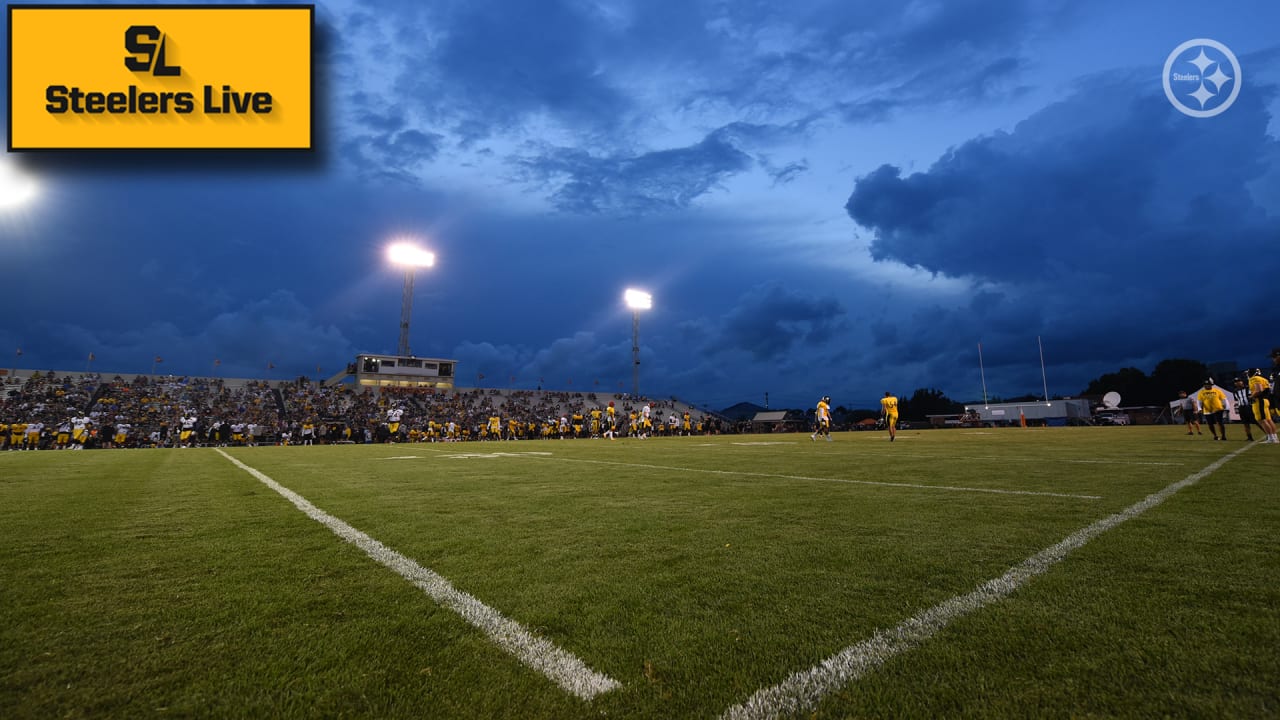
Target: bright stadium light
pixel 16 188
pixel 637 300
pixel 408 256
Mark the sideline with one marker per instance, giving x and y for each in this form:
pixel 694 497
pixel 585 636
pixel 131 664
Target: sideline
pixel 802 691
pixel 561 667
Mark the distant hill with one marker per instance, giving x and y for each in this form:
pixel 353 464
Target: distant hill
pixel 742 411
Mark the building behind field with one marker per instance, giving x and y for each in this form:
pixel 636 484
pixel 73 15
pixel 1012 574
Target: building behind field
pixel 380 371
pixel 1054 413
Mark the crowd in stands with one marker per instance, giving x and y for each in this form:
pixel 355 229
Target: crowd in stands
pixel 76 411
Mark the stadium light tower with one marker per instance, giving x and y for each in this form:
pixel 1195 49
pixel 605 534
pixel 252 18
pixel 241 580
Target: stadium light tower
pixel 410 257
pixel 637 300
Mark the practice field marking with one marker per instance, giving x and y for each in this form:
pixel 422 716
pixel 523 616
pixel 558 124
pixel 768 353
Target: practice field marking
pixel 487 456
pixel 744 473
pixel 401 457
pixel 557 665
pixel 804 690
pixel 1073 461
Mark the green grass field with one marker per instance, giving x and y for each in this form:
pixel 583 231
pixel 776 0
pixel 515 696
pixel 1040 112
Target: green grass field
pixel 689 573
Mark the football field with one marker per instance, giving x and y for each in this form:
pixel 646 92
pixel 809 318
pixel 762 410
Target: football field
pixel 1063 572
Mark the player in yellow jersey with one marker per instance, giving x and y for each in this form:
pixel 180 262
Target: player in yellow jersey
pixel 822 419
pixel 889 411
pixel 1260 394
pixel 1213 402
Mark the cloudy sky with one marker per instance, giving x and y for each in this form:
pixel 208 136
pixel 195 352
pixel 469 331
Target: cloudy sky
pixel 838 198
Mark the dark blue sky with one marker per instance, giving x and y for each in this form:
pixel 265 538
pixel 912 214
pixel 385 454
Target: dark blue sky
pixel 834 198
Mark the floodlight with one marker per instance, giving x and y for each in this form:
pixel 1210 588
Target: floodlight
pixel 638 299
pixel 16 188
pixel 408 256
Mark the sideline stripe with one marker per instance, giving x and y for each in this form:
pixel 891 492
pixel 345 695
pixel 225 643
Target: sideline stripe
pixel 743 473
pixel 559 666
pixel 804 690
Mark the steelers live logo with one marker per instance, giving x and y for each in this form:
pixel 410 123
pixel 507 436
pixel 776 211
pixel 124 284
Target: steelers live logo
pixel 146 46
pixel 140 77
pixel 1202 78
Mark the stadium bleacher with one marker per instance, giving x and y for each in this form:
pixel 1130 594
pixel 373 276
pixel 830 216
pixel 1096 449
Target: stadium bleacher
pixel 150 410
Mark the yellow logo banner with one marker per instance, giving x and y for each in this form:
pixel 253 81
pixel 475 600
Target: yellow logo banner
pixel 160 77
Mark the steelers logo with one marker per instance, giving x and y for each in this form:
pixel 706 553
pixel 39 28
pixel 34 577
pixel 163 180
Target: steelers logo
pixel 1202 78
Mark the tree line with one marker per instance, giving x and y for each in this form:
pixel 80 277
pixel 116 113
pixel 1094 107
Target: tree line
pixel 1135 387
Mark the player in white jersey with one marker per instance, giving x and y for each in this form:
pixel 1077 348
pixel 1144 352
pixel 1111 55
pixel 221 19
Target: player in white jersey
pixel 32 440
pixel 79 432
pixel 393 420
pixel 186 433
pixel 63 437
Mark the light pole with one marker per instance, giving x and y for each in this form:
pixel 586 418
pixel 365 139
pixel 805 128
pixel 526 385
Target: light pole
pixel 410 257
pixel 637 300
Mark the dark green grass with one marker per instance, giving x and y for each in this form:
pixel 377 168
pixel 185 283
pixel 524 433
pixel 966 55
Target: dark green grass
pixel 693 571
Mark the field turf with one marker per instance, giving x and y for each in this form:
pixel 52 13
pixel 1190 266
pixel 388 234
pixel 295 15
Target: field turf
pixel 734 576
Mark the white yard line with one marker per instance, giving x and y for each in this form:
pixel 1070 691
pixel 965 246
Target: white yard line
pixel 743 473
pixel 926 456
pixel 804 690
pixel 1041 460
pixel 559 666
